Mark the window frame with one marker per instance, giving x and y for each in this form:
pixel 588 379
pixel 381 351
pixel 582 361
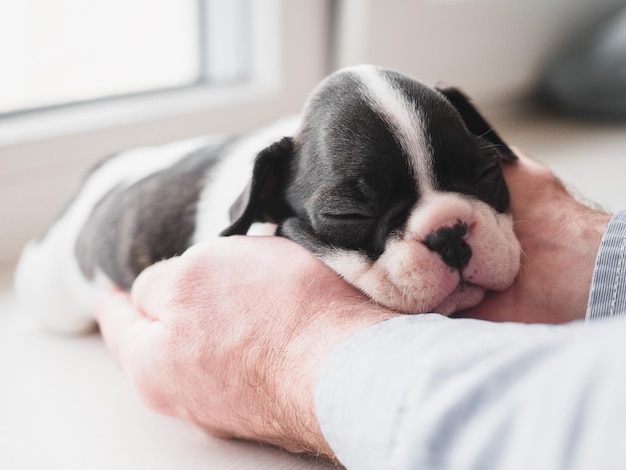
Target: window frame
pixel 213 89
pixel 43 156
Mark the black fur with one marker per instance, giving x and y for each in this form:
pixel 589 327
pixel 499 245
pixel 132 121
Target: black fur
pixel 264 199
pixel 153 219
pixel 475 122
pixel 346 181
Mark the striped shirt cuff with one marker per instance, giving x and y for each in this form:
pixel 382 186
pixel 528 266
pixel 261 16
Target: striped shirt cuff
pixel 607 297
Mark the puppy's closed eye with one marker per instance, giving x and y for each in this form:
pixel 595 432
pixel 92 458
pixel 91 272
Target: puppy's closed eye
pixel 488 172
pixel 345 206
pixel 356 216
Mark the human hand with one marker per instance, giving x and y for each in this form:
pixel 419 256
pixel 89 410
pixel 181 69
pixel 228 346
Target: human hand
pixel 222 338
pixel 560 238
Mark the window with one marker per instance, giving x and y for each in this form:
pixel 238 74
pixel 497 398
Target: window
pixel 71 51
pixel 254 61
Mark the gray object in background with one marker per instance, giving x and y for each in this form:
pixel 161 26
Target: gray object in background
pixel 588 77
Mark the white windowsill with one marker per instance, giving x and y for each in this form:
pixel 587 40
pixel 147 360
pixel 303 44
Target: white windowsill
pixel 265 77
pixel 60 122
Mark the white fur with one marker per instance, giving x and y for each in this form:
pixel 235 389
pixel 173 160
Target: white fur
pixel 404 118
pixel 230 178
pixel 48 280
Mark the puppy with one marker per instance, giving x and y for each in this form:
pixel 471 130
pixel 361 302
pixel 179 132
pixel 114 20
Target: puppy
pixel 395 185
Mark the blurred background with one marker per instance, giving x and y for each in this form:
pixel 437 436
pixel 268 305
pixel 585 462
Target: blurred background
pixel 81 80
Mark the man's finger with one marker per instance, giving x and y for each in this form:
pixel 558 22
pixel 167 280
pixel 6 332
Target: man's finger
pixel 122 326
pixel 151 286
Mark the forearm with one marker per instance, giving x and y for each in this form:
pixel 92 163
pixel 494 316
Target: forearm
pixel 289 419
pixel 471 394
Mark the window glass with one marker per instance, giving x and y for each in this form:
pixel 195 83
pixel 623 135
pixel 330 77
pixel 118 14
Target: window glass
pixel 66 51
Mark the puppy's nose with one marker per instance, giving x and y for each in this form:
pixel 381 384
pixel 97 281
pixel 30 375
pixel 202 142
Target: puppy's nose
pixel 450 243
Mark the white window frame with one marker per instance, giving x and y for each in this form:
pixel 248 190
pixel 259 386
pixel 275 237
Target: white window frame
pixel 263 78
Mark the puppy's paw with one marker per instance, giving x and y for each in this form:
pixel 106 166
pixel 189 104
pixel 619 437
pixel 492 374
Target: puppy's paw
pixel 53 293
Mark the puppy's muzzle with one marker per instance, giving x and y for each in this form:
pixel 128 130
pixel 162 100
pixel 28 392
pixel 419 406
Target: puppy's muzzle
pixel 450 243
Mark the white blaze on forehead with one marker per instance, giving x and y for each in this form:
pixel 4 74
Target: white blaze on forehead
pixel 405 120
pixel 230 177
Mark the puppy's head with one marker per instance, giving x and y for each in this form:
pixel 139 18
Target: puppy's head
pixel 395 185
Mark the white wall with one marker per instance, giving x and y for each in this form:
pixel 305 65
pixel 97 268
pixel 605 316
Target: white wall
pixel 492 49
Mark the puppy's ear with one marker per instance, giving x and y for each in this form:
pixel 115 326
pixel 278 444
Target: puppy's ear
pixel 262 200
pixel 475 123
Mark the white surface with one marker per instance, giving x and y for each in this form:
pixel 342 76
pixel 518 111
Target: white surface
pixel 65 405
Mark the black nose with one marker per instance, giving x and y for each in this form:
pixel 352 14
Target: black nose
pixel 449 242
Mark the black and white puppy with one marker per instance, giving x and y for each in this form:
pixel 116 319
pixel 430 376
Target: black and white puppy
pixel 395 185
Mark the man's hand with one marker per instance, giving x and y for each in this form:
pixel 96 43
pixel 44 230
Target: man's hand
pixel 230 336
pixel 560 238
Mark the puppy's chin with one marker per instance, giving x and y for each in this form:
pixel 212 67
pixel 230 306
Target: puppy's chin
pixel 464 296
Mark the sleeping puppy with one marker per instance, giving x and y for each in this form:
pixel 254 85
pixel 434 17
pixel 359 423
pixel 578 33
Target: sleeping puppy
pixel 395 185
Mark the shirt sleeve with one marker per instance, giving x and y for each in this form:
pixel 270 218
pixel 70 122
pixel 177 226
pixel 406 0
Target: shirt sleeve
pixel 607 297
pixel 428 392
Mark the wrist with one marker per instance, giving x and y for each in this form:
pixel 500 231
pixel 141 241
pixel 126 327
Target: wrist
pixel 582 238
pixel 569 241
pixel 293 418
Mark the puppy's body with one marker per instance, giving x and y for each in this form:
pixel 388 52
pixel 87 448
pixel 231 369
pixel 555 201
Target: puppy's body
pixel 134 209
pixel 395 185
